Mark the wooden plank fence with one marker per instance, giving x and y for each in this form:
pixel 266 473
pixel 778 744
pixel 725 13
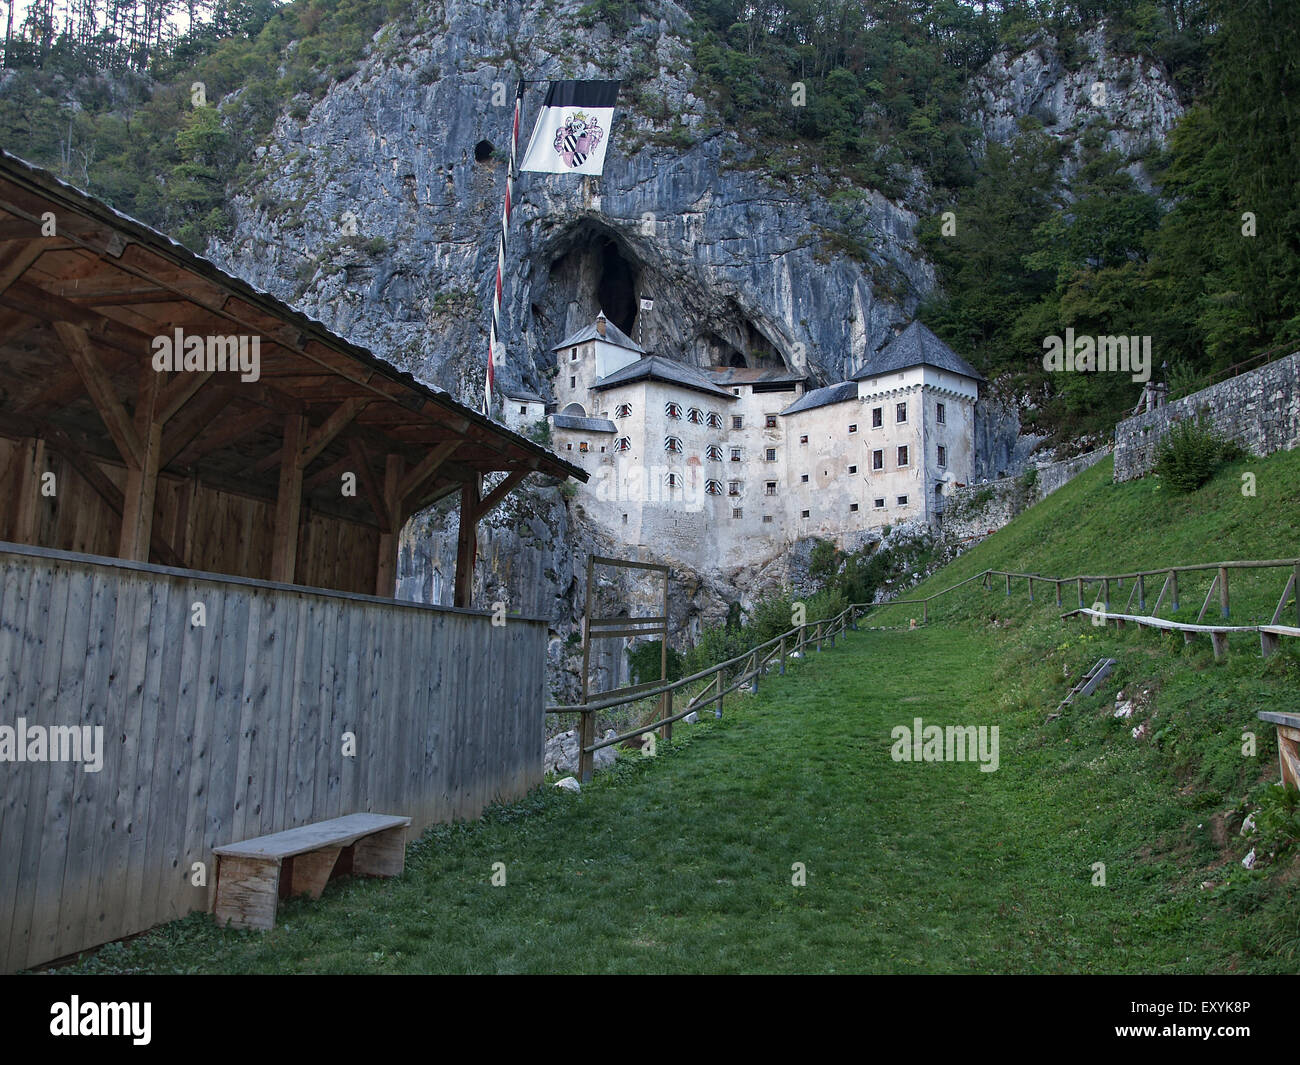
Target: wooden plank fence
pixel 217 733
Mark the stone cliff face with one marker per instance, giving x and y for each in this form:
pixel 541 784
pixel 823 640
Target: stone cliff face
pixel 376 211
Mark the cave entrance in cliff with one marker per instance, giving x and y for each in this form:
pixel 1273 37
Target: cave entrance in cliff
pixel 601 274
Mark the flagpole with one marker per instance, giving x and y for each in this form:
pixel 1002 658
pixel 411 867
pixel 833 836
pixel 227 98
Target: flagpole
pixel 495 326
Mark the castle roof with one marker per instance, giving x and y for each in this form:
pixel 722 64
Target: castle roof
pixel 822 397
pixel 656 367
pixel 589 425
pixel 522 393
pixel 744 375
pixel 916 346
pixel 613 335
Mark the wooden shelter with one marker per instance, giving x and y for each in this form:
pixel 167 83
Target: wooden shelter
pixel 300 469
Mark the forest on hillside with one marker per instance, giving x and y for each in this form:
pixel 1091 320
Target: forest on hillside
pixel 102 93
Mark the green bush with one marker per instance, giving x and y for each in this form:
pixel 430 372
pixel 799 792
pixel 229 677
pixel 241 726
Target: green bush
pixel 645 661
pixel 1190 455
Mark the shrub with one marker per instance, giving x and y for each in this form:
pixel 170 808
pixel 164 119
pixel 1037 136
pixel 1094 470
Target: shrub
pixel 1190 455
pixel 644 661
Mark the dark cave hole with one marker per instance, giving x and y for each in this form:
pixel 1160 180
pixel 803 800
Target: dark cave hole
pixel 483 151
pixel 616 290
pixel 738 360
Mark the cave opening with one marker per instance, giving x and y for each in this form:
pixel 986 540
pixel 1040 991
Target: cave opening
pixel 599 274
pixel 616 289
pixel 483 151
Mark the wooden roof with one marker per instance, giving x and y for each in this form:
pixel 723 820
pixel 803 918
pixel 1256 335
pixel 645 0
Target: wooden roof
pixel 78 315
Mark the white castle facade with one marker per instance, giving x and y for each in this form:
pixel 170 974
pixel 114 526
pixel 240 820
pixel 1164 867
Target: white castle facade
pixel 728 466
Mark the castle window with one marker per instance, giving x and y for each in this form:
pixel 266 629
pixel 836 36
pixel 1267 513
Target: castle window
pixel 624 519
pixel 733 488
pixel 583 446
pixel 940 413
pixel 902 455
pixel 714 420
pixel 943 455
pixel 877 417
pixel 622 444
pixel 769 421
pixel 673 445
pixel 573 382
pixel 671 480
pixel 573 355
pixel 902 501
pixel 879 503
pixel 623 410
pixel 523 410
pixel 853 428
pixel 771 488
pixel 803 478
pixel 878 459
pixel 602 449
pixel 713 453
pixel 735 454
pixel 673 410
pixel 853 469
pixel 713 488
pixel 803 439
pixel 770 454
pixel 853 508
pixel 736 512
pixel 695 416
pixel 737 422
pixel 900 412
pixel 803 513
pixel 767 519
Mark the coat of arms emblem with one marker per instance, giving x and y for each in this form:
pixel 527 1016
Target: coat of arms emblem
pixel 577 138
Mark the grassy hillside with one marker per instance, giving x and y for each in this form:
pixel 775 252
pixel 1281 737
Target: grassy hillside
pixel 685 862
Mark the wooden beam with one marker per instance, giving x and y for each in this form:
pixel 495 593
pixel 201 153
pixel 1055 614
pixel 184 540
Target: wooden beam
pixel 499 493
pixel 102 393
pixel 179 391
pixel 196 417
pixel 32 250
pixel 427 467
pixel 32 454
pixel 467 541
pixel 142 474
pixel 330 428
pixel 288 503
pixel 391 504
pixel 235 428
pixel 360 464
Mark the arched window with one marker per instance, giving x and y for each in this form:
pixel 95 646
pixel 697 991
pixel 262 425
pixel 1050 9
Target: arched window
pixel 714 488
pixel 714 452
pixel 673 410
pixel 622 444
pixel 673 445
pixel 714 420
pixel 695 416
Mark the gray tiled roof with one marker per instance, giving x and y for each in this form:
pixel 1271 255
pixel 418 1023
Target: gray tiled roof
pixel 742 375
pixel 613 335
pixel 522 393
pixel 658 368
pixel 821 397
pixel 916 346
pixel 590 425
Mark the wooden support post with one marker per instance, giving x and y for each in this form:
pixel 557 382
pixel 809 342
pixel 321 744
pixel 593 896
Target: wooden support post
pixel 1031 589
pixel 32 456
pixel 1079 582
pixel 717 711
pixel 1220 642
pixel 1058 593
pixel 853 618
pixel 1223 591
pixel 390 527
pixel 467 541
pixel 1208 596
pixel 1268 643
pixel 1008 584
pixel 1173 590
pixel 803 638
pixel 1106 589
pixel 142 476
pixel 288 501
pixel 1155 610
pixel 783 656
pixel 753 673
pixel 1142 592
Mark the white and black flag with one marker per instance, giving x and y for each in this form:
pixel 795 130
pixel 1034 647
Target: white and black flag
pixel 572 131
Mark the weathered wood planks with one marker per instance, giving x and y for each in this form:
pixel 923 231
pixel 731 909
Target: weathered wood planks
pixel 231 729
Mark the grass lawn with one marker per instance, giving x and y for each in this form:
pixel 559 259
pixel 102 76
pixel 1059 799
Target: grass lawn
pixel 683 863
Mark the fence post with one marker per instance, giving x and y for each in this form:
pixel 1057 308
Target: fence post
pixel 832 635
pixel 1079 581
pixel 803 638
pixel 1173 588
pixel 1008 584
pixel 1106 588
pixel 853 618
pixel 1142 592
pixel 819 637
pixel 1058 593
pixel 1223 590
pixel 925 612
pixel 717 711
pixel 755 669
pixel 1031 589
pixel 586 737
pixel 783 656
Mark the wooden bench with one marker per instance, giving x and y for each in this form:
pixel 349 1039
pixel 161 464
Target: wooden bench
pixel 1270 636
pixel 254 875
pixel 1218 633
pixel 1288 744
